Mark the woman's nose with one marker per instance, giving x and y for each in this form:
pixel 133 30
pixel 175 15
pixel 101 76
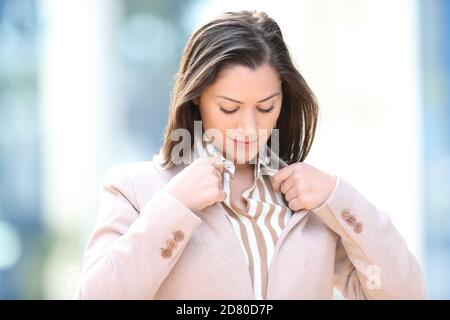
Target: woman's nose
pixel 248 124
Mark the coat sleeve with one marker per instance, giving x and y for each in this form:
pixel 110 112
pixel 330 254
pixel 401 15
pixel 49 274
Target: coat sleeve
pixel 124 254
pixel 372 259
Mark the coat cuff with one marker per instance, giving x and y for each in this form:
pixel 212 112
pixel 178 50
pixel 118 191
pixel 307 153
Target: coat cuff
pixel 372 242
pixel 172 221
pixel 350 215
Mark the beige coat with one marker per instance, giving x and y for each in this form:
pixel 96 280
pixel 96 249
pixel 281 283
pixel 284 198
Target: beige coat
pixel 347 243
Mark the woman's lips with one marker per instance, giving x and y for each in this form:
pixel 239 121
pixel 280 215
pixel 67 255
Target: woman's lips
pixel 243 142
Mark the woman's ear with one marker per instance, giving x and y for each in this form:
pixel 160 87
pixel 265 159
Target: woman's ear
pixel 195 101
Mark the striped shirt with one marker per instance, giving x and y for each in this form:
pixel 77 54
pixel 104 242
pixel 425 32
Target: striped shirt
pixel 260 224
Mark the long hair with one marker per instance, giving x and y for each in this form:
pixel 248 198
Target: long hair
pixel 250 39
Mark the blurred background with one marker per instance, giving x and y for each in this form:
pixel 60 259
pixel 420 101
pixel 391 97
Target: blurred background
pixel 85 85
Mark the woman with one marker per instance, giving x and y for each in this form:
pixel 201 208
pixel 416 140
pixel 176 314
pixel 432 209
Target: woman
pixel 242 216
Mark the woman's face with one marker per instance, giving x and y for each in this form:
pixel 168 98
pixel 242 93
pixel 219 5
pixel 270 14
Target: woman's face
pixel 242 107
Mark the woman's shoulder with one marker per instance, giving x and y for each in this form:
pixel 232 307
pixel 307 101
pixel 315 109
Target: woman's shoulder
pixel 123 172
pixel 140 179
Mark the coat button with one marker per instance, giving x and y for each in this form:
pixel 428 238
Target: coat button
pixel 345 215
pixel 351 220
pixel 166 253
pixel 358 227
pixel 178 235
pixel 171 243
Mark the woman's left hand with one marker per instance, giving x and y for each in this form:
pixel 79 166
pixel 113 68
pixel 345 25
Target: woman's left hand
pixel 304 186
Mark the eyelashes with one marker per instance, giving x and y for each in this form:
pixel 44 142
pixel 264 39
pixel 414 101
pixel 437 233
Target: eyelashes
pixel 235 110
pixel 228 111
pixel 267 110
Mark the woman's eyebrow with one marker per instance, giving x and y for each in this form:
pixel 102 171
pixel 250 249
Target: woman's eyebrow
pixel 237 101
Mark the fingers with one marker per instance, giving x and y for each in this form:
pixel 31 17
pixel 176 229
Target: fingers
pixel 295 204
pixel 218 175
pixel 291 194
pixel 220 195
pixel 219 165
pixel 286 182
pixel 216 162
pixel 281 176
pixel 287 185
pixel 223 196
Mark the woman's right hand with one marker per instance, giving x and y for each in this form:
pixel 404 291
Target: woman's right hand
pixel 199 185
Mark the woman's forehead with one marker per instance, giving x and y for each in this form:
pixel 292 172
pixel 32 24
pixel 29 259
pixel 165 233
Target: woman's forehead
pixel 246 85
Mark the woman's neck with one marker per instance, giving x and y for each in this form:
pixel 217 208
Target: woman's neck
pixel 242 166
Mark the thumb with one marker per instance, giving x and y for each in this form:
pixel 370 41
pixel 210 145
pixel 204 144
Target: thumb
pixel 223 196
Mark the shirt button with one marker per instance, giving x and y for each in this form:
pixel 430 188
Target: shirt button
pixel 166 253
pixel 178 235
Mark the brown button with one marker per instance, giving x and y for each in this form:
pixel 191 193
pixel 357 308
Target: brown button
pixel 345 215
pixel 171 243
pixel 178 235
pixel 166 253
pixel 351 220
pixel 358 227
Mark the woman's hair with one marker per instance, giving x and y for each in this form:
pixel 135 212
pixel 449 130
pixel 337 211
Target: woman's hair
pixel 250 39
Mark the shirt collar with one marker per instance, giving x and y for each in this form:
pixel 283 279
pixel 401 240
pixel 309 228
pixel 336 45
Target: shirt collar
pixel 204 147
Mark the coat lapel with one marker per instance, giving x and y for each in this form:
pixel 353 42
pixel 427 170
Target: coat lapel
pixel 222 242
pixel 296 217
pixel 225 249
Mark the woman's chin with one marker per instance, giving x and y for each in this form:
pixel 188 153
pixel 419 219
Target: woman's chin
pixel 244 159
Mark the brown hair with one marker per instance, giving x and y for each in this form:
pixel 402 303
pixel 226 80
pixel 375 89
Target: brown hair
pixel 250 39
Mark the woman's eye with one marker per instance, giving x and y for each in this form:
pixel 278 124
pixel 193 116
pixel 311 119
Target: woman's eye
pixel 267 110
pixel 235 110
pixel 228 111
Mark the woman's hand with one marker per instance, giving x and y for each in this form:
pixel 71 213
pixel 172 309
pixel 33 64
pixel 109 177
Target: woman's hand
pixel 303 186
pixel 199 185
